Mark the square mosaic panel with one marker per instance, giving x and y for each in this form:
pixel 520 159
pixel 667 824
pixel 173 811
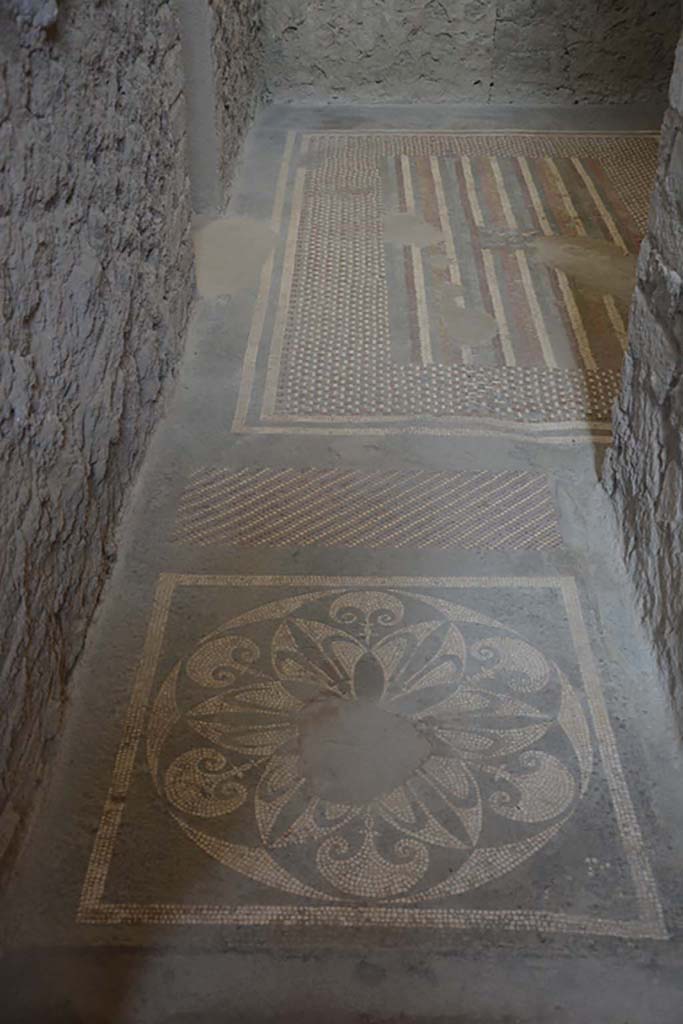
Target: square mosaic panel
pixel 370 752
pixel 449 283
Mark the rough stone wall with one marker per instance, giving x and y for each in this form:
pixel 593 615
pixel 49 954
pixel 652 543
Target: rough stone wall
pixel 586 51
pixel 644 469
pixel 96 279
pixel 501 51
pixel 237 45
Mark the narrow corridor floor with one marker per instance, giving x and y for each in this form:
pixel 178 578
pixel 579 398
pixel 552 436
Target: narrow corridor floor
pixel 366 729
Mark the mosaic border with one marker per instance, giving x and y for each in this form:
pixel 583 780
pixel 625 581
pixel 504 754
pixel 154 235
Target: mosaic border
pixel 94 909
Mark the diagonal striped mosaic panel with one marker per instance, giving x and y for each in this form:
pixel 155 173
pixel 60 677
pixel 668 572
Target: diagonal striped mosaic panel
pixel 353 508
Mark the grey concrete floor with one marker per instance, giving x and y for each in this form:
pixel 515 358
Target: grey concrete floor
pixel 366 728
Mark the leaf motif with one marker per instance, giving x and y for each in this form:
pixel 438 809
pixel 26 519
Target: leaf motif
pixel 482 745
pixel 456 704
pixel 346 653
pixel 261 698
pixel 258 741
pixel 432 690
pixel 470 703
pixel 333 643
pixel 286 814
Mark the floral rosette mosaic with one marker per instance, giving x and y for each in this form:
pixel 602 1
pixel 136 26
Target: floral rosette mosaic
pixel 409 748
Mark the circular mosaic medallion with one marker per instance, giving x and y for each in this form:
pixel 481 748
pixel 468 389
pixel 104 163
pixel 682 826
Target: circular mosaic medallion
pixel 369 745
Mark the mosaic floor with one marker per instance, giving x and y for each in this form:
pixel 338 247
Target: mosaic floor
pixel 371 751
pixel 366 729
pixel 450 282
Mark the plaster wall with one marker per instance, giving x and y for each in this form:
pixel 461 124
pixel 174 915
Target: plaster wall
pixel 507 51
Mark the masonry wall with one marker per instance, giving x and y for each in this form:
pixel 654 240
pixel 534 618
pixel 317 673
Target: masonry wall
pixel 96 284
pixel 644 469
pixel 501 51
pixel 222 43
pixel 237 48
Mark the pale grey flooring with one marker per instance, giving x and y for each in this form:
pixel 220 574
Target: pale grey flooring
pixel 56 970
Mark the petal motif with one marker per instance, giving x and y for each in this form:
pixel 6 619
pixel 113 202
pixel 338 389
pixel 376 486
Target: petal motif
pixel 338 649
pixel 433 660
pixel 309 657
pixel 280 781
pixel 440 805
pixel 255 719
pixel 286 813
pixel 395 650
pixel 449 795
pixel 480 725
pixel 369 680
pixel 470 701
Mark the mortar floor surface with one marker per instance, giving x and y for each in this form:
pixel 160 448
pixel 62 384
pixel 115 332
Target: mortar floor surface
pixel 366 728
